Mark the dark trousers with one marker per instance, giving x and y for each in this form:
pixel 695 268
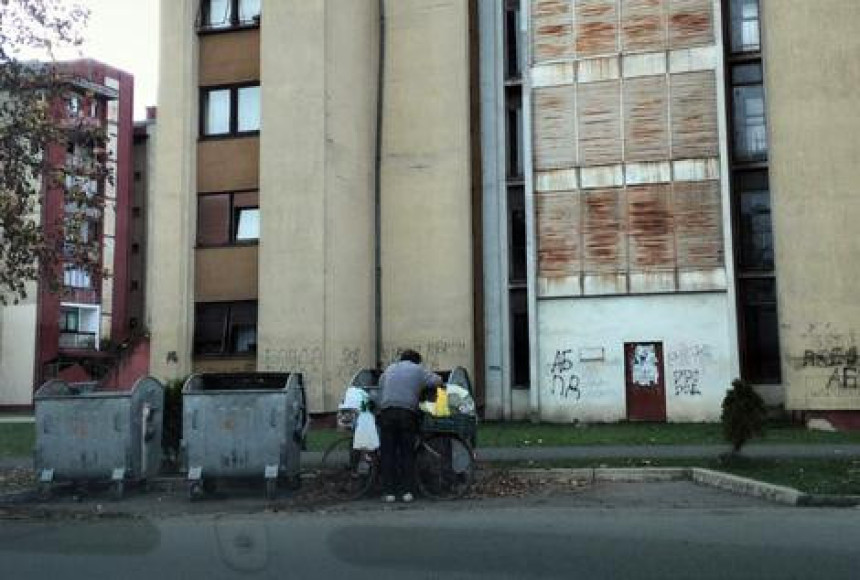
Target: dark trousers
pixel 398 431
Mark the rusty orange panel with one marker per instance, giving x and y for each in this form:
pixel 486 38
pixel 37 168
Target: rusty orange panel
pixel 643 25
pixel 646 116
pixel 691 23
pixel 604 217
pixel 552 30
pixel 698 224
pixel 558 226
pixel 599 110
pixel 651 229
pixel 694 115
pixel 555 128
pixel 596 27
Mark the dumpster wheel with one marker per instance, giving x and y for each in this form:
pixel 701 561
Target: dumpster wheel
pixel 195 490
pixel 271 489
pixel 118 489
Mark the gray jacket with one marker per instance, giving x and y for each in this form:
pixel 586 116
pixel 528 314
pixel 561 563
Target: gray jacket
pixel 402 383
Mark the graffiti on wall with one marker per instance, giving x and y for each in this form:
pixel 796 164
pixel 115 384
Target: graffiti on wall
pixel 841 365
pixel 569 382
pixel 689 363
pixel 830 360
pixel 564 381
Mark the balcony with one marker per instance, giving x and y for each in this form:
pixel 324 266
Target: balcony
pixel 77 341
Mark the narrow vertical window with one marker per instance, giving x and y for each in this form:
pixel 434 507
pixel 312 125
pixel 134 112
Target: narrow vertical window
pixel 249 109
pixel 217 105
pixel 745 36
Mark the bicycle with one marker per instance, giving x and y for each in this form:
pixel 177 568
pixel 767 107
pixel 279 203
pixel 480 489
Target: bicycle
pixel 444 464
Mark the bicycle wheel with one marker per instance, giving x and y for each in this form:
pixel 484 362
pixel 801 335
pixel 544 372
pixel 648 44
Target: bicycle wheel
pixel 444 466
pixel 347 473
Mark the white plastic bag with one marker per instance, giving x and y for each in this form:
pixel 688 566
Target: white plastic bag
pixel 365 437
pixel 355 399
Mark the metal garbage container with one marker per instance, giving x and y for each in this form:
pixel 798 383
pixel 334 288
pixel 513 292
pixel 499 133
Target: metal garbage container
pixel 85 433
pixel 238 425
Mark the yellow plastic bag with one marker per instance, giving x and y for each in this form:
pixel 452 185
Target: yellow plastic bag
pixel 441 409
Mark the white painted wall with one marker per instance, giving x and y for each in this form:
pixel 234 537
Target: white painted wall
pixel 697 349
pixel 17 352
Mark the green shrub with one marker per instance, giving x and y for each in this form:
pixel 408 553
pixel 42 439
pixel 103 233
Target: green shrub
pixel 171 435
pixel 743 414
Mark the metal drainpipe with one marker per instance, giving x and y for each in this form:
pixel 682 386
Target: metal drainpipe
pixel 377 193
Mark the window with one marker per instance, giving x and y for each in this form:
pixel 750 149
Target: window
pixel 756 232
pixel 228 218
pixel 520 338
pixel 745 35
pixel 225 328
pixel 759 319
pixel 516 236
pixel 69 320
pixel 749 124
pixel 246 223
pixel 514 136
pixel 224 14
pixel 74 277
pixel 513 52
pixel 227 111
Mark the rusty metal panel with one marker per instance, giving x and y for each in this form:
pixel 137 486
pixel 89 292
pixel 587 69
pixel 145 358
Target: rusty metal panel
pixel 694 115
pixel 691 23
pixel 643 25
pixel 698 224
pixel 552 30
pixel 646 115
pixel 596 27
pixel 651 229
pixel 605 241
pixel 555 128
pixel 558 226
pixel 599 109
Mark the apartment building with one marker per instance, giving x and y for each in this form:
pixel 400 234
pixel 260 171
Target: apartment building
pixel 313 210
pixel 71 332
pixel 593 205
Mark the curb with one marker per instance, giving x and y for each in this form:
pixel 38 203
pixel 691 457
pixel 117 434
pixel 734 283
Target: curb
pixel 745 486
pixel 707 477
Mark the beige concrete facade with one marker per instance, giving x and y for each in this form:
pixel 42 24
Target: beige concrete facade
pixel 18 350
pixel 316 192
pixel 172 208
pixel 811 78
pixel 427 269
pixel 315 264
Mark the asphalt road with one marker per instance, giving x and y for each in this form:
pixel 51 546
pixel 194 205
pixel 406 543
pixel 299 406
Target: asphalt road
pixel 672 530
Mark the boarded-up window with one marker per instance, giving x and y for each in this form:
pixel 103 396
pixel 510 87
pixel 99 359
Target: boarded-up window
pixel 691 23
pixel 555 128
pixel 643 25
pixel 698 224
pixel 552 30
pixel 600 139
pixel 646 113
pixel 596 27
pixel 694 115
pixel 213 220
pixel 558 228
pixel 650 224
pixel 604 216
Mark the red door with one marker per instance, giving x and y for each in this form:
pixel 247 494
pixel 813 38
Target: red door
pixel 646 387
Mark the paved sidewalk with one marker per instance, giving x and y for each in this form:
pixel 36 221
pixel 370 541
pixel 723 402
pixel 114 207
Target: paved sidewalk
pixel 522 454
pixel 8 419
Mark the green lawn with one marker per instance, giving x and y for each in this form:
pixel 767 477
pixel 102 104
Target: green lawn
pixel 818 476
pixel 543 435
pixel 17 439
